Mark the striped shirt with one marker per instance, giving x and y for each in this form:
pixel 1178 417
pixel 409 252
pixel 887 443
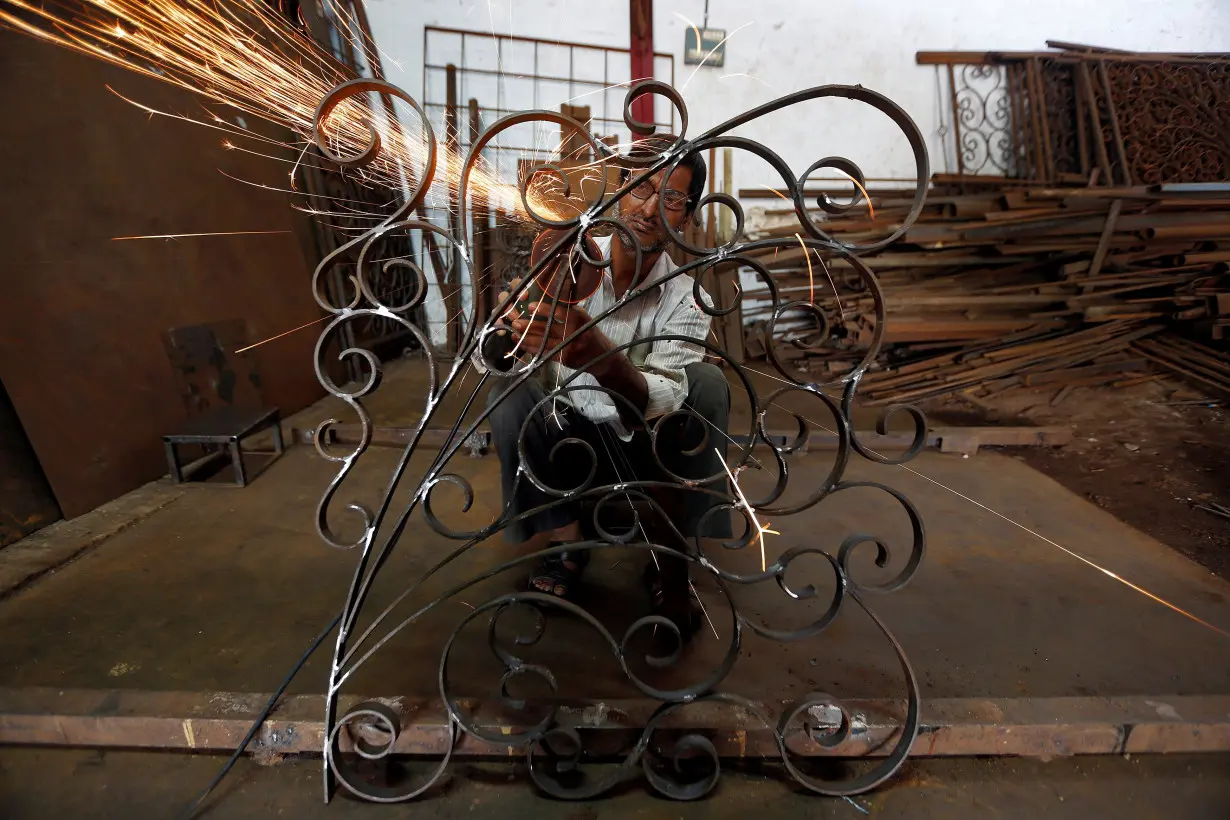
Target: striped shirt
pixel 669 309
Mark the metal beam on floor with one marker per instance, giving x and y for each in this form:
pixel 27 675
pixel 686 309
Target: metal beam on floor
pixel 951 727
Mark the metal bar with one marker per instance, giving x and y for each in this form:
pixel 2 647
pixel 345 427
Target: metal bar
pixel 520 39
pixel 1047 152
pixel 1114 122
pixel 1082 139
pixel 452 299
pixel 279 444
pixel 1108 232
pixel 426 60
pixel 1099 142
pixel 969 437
pixel 671 60
pixel 241 477
pixel 480 241
pixel 640 50
pixel 502 111
pixel 728 187
pixel 711 216
pixel 951 727
pixel 995 57
pixel 1191 188
pixel 956 119
pixel 1020 143
pixel 345 45
pixel 370 54
pixel 177 474
pixel 1066 46
pixel 1039 157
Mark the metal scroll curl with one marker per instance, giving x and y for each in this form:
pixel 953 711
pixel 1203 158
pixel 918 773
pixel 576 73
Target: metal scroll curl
pixel 688 767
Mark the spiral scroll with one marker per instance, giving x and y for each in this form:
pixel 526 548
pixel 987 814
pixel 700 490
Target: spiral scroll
pixel 649 653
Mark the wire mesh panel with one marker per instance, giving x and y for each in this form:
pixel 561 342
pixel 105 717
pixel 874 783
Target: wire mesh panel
pixel 508 74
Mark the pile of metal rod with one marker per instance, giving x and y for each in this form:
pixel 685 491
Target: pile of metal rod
pixel 1003 285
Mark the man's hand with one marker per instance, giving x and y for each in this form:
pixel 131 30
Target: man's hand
pixel 539 330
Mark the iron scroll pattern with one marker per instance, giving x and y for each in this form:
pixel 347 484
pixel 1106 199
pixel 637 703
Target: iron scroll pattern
pixel 552 751
pixel 983 110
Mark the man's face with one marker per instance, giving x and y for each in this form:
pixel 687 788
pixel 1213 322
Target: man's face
pixel 639 209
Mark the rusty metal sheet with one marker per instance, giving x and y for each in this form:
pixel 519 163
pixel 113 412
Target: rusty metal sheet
pixel 26 502
pixel 209 370
pixel 83 316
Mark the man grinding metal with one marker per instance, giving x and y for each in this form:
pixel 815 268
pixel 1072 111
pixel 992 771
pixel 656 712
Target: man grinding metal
pixel 656 378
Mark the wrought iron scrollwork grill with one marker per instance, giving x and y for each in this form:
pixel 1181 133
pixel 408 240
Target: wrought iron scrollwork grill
pixel 553 752
pixel 983 109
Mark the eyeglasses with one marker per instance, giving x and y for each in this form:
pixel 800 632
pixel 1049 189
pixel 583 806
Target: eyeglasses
pixel 672 199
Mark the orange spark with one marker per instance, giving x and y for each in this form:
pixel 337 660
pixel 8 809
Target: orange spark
pixel 241 54
pixel 871 210
pixel 287 333
pixel 811 280
pixel 183 235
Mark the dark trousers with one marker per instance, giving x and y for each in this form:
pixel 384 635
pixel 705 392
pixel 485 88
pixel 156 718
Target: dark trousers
pixel 615 461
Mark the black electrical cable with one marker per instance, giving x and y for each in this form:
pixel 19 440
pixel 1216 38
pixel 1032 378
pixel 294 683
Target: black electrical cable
pixel 705 25
pixel 195 805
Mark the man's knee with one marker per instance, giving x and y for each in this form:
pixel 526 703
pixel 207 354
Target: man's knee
pixel 708 390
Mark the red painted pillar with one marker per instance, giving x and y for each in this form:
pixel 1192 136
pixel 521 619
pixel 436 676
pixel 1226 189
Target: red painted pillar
pixel 641 50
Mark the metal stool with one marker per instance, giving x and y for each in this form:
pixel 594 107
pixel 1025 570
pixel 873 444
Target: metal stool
pixel 222 427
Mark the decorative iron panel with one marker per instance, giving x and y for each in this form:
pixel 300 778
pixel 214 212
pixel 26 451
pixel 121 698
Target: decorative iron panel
pixel 554 754
pixel 1056 117
pixel 1175 119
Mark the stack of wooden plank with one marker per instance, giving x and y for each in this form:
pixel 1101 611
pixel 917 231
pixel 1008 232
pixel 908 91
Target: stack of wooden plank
pixel 1001 285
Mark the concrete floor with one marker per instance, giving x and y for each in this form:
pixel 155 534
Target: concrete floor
pixel 223 588
pixel 137 785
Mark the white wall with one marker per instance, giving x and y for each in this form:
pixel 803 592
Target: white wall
pixel 789 45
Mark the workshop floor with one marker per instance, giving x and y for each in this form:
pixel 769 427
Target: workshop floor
pixel 114 785
pixel 223 588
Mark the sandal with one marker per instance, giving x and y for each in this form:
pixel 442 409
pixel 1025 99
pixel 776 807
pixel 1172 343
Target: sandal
pixel 558 574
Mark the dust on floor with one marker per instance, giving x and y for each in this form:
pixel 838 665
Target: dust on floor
pixel 1151 455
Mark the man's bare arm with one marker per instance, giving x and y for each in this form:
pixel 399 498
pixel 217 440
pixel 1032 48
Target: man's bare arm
pixel 615 372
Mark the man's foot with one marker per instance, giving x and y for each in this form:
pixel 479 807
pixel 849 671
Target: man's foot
pixel 673 602
pixel 557 575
